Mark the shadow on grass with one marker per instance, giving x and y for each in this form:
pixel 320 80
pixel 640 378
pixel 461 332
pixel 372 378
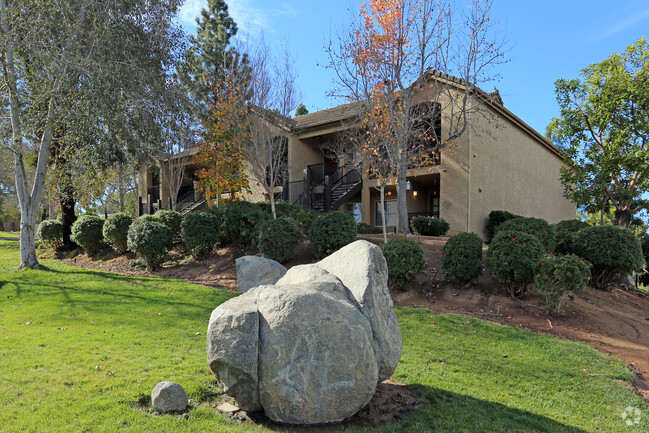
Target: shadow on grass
pixel 442 411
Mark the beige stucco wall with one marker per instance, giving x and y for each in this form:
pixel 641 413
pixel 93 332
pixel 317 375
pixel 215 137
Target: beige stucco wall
pixel 513 170
pixel 301 153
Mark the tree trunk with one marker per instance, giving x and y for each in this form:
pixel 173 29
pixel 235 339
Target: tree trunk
pixel 402 203
pixel 28 238
pixel 385 232
pixel 624 219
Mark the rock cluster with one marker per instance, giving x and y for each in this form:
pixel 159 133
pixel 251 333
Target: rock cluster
pixel 310 348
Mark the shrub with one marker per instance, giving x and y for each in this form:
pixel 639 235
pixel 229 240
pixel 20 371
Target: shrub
pixel 87 231
pixel 644 277
pixel 241 221
pixel 566 231
pixel 462 258
pixel 366 229
pixel 150 240
pixel 51 233
pixel 537 227
pixel 405 260
pixel 200 232
pixel 303 217
pixel 513 256
pixel 171 219
pixel 331 231
pixel 496 218
pixel 558 277
pixel 116 229
pixel 278 238
pixel 428 226
pixel 614 252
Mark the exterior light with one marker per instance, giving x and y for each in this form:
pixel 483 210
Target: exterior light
pixel 408 185
pixel 414 193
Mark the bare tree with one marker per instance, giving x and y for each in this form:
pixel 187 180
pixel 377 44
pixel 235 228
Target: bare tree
pixel 273 97
pixel 411 67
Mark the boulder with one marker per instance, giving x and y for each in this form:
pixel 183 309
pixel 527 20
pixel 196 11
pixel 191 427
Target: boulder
pixel 253 271
pixel 169 397
pixel 311 347
pixel 232 349
pixel 317 364
pixel 363 270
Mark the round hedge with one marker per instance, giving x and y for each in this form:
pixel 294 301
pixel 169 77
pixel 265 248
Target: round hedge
pixel 241 221
pixel 614 252
pixel 513 256
pixel 566 231
pixel 116 229
pixel 200 232
pixel 557 277
pixel 149 240
pixel 87 231
pixel 405 260
pixel 331 231
pixel 462 257
pixel 51 233
pixel 496 218
pixel 171 219
pixel 278 238
pixel 429 226
pixel 537 227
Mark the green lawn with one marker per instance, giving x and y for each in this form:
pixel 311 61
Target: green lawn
pixel 79 347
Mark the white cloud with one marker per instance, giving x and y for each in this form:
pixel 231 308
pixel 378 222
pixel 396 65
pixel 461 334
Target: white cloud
pixel 622 25
pixel 249 19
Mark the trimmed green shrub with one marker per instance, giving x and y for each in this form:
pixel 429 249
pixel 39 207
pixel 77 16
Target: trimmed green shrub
pixel 331 231
pixel 644 277
pixel 51 233
pixel 171 219
pixel 613 251
pixel 200 232
pixel 303 217
pixel 428 226
pixel 405 260
pixel 566 231
pixel 241 221
pixel 278 238
pixel 537 227
pixel 558 277
pixel 87 231
pixel 462 258
pixel 366 229
pixel 513 256
pixel 150 240
pixel 496 218
pixel 116 229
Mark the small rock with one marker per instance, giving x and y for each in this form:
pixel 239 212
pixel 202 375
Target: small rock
pixel 227 408
pixel 169 396
pixel 253 271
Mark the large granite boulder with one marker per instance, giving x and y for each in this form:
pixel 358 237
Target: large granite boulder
pixel 363 270
pixel 253 271
pixel 308 349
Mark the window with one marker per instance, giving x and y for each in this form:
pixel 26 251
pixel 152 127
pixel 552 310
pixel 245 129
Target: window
pixel 390 213
pixel 427 132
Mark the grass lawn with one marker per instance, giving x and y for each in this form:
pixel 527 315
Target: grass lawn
pixel 79 347
pixel 9 234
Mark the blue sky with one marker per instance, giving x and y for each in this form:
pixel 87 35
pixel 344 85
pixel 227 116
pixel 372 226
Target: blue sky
pixel 549 40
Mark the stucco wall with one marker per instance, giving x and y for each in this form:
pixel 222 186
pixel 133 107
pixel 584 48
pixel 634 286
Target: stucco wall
pixel 512 170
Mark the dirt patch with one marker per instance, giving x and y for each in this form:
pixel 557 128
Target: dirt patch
pixel 615 322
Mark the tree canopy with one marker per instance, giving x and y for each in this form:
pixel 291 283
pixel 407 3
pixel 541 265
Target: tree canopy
pixel 76 74
pixel 603 131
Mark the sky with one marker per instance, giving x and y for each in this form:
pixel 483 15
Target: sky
pixel 548 40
